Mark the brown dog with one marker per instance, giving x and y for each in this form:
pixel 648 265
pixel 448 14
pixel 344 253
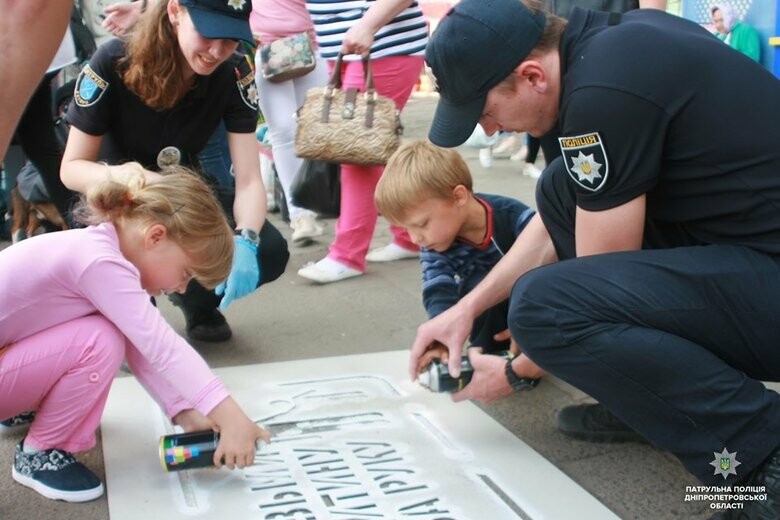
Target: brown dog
pixel 28 216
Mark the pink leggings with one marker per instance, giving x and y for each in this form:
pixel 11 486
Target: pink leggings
pixel 64 373
pixel 394 77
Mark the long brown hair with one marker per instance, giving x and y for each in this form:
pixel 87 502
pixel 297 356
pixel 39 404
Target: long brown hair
pixel 153 68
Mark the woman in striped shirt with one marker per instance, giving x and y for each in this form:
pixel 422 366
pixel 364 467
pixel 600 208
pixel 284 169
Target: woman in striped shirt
pixel 395 33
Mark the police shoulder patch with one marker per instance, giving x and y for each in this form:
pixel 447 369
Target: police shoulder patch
pixel 247 88
pixel 89 87
pixel 585 160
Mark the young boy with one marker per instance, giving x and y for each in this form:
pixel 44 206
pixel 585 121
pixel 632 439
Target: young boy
pixel 462 235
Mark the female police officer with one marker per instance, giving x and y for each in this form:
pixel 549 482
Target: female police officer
pixel 156 99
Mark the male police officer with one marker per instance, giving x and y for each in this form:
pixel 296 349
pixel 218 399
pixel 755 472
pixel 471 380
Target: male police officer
pixel 666 311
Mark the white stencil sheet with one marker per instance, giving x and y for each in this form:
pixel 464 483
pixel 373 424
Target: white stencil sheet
pixel 354 439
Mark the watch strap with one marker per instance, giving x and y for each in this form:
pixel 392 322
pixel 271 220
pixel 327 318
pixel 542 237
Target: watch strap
pixel 519 384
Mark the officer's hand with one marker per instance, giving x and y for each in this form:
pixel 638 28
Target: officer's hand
pixel 244 275
pixel 489 382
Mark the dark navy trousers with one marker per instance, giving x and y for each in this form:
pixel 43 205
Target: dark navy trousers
pixel 674 341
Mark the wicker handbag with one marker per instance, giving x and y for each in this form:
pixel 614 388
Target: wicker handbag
pixel 347 126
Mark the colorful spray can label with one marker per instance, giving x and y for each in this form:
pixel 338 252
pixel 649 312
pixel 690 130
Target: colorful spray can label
pixel 437 376
pixel 188 450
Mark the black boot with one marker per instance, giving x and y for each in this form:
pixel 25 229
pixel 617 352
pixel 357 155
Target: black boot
pixel 594 423
pixel 203 324
pixel 764 480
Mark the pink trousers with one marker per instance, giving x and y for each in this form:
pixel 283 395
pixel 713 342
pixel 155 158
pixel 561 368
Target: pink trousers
pixel 394 77
pixel 64 373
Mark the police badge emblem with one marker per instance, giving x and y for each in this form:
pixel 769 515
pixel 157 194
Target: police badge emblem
pixel 585 160
pixel 247 89
pixel 89 87
pixel 168 156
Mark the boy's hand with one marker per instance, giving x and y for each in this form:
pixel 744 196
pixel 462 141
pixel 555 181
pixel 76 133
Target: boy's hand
pixel 435 351
pixel 450 328
pixel 505 335
pixel 192 420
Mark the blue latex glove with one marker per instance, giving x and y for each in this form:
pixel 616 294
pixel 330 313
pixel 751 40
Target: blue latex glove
pixel 244 274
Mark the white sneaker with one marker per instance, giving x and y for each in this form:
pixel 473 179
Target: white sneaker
pixel 327 271
pixel 486 157
pixel 520 154
pixel 532 171
pixel 305 227
pixel 507 146
pixel 390 253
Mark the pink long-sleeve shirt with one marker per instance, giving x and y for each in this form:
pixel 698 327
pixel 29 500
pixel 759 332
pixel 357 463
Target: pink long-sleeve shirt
pixel 57 277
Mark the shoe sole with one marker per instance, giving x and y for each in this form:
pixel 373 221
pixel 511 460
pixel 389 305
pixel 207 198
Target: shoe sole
pixel 57 494
pixel 10 430
pixel 614 437
pixel 393 259
pixel 323 279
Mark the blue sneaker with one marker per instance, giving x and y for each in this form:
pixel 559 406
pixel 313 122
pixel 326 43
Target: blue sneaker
pixel 17 422
pixel 55 474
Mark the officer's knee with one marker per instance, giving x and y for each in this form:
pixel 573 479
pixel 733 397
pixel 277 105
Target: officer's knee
pixel 274 253
pixel 532 311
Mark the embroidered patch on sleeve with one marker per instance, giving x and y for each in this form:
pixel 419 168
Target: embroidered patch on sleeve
pixel 89 87
pixel 247 88
pixel 585 160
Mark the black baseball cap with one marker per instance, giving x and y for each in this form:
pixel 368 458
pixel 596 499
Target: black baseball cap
pixel 475 47
pixel 225 19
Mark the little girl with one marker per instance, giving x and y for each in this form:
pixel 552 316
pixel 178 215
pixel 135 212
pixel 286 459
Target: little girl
pixel 76 303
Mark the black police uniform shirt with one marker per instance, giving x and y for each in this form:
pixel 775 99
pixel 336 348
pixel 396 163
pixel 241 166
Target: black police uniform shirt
pixel 656 105
pixel 103 106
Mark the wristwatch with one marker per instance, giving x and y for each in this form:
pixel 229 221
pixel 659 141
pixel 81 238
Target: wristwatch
pixel 250 235
pixel 518 383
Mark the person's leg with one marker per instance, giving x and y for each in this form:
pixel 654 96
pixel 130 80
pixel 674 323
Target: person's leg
pixel 35 134
pixel 394 78
pixel 487 325
pixel 533 145
pixel 64 373
pixel 204 320
pixel 30 33
pixel 674 342
pixel 278 103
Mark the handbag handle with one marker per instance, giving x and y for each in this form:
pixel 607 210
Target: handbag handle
pixel 368 76
pixel 349 106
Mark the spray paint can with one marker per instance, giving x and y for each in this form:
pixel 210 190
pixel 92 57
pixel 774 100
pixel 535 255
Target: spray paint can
pixel 182 451
pixel 437 378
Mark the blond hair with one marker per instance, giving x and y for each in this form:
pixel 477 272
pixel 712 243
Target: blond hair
pixel 180 201
pixel 153 67
pixel 417 171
